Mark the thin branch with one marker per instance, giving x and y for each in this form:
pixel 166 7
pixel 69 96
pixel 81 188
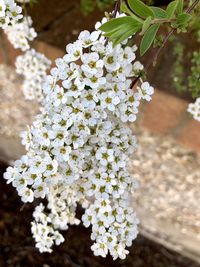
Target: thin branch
pixel 154 21
pixel 190 9
pixel 160 48
pixel 117 7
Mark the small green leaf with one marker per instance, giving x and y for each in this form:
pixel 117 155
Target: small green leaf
pixel 140 8
pixel 159 12
pixel 180 7
pixel 183 19
pixel 124 32
pixel 114 23
pixel 146 25
pixel 119 31
pixel 125 35
pixel 148 38
pixel 126 10
pixel 171 8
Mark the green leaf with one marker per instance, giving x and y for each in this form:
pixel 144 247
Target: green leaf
pixel 148 38
pixel 171 8
pixel 159 12
pixel 124 36
pixel 146 25
pixel 140 8
pixel 124 32
pixel 183 19
pixel 180 7
pixel 114 23
pixel 126 10
pixel 119 30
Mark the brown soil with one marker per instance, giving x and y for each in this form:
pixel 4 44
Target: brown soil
pixel 17 246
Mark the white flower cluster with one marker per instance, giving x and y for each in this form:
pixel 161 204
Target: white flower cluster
pixel 33 66
pixel 20 33
pixel 194 109
pixel 79 146
pixel 10 13
pixel 44 233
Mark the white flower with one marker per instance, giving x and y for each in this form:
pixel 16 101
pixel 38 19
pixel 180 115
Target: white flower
pixel 137 67
pixel 74 51
pixel 128 55
pixel 87 218
pixel 90 99
pixel 26 139
pixel 11 174
pixel 20 183
pixel 94 80
pixel 98 24
pixel 91 63
pixel 104 155
pixel 62 153
pixel 112 61
pixel 27 195
pixel 119 251
pixel 41 190
pixel 109 100
pixel 99 249
pixel 88 38
pixel 51 166
pixel 146 91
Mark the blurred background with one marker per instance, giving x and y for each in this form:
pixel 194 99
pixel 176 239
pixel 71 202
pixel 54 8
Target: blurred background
pixel 167 162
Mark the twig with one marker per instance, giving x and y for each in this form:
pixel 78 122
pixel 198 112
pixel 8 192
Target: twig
pixel 22 207
pixel 192 6
pixel 117 7
pixel 160 48
pixel 25 12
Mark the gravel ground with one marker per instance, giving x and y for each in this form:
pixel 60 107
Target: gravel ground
pixel 169 177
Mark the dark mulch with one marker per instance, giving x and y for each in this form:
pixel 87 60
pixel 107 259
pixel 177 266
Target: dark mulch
pixel 17 247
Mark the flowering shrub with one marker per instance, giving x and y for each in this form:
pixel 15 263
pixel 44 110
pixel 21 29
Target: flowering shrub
pixel 10 13
pixel 20 32
pixel 194 109
pixel 78 147
pixel 33 66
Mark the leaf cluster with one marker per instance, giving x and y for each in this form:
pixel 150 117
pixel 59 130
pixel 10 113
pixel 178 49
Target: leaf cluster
pixel 178 73
pixel 88 6
pixel 180 52
pixel 145 20
pixel 194 78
